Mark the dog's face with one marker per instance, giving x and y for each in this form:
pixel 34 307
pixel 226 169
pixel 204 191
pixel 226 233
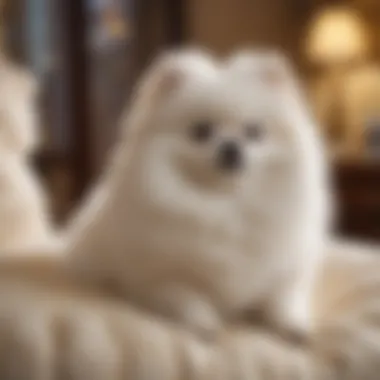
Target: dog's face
pixel 220 124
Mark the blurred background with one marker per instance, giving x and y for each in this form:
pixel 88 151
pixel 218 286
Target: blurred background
pixel 87 54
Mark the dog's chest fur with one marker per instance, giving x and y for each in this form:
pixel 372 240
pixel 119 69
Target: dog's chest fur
pixel 219 242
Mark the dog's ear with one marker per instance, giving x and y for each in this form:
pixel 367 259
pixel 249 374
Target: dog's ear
pixel 272 70
pixel 167 74
pixel 160 79
pixel 276 70
pixel 270 67
pixel 171 70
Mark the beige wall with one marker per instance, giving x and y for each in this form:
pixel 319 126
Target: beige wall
pixel 227 24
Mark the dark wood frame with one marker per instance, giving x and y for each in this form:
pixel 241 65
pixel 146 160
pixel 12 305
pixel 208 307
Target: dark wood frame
pixel 158 24
pixel 168 15
pixel 76 75
pixel 69 159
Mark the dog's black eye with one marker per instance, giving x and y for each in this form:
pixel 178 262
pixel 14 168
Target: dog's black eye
pixel 254 132
pixel 202 131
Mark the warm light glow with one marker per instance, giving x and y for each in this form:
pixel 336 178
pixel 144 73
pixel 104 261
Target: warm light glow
pixel 337 35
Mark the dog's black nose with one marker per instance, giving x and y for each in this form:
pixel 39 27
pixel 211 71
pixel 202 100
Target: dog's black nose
pixel 229 156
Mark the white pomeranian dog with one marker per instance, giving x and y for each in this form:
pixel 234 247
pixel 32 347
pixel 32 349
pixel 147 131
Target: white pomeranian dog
pixel 216 203
pixel 25 224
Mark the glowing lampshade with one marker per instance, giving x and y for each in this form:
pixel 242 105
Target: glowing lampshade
pixel 336 35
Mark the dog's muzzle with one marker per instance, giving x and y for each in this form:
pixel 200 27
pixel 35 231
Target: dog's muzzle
pixel 229 156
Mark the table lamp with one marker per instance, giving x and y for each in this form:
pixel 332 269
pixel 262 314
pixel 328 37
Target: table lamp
pixel 337 41
pixel 337 36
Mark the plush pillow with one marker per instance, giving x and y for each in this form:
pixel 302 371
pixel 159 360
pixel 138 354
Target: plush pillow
pixel 51 328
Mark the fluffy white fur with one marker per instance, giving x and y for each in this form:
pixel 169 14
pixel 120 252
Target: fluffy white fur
pixel 24 220
pixel 171 230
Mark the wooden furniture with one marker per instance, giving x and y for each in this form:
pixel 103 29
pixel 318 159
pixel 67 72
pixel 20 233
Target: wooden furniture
pixel 84 87
pixel 358 195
